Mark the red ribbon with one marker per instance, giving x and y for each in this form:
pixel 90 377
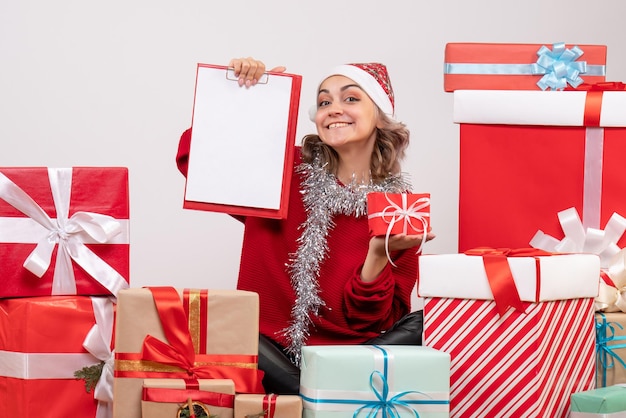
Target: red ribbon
pixel 593 101
pixel 499 274
pixel 269 405
pixel 180 352
pixel 223 400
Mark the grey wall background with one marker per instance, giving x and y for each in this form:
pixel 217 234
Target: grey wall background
pixel 111 84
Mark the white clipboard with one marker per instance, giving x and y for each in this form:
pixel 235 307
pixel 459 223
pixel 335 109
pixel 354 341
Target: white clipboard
pixel 242 143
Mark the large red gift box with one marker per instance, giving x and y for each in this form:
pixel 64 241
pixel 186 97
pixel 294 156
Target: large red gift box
pixel 168 333
pixel 63 231
pixel 43 342
pixel 500 66
pixel 528 156
pixel 523 352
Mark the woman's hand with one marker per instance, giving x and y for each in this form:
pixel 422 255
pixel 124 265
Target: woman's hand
pixel 376 259
pixel 249 70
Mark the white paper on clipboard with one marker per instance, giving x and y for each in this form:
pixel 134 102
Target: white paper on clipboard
pixel 239 139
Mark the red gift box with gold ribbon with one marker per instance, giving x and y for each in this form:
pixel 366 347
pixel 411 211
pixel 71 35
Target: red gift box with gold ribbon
pixel 518 325
pixel 63 231
pixel 502 66
pixel 163 332
pixel 526 156
pixel 44 341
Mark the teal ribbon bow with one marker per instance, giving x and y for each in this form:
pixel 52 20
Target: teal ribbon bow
pixel 605 334
pixel 559 67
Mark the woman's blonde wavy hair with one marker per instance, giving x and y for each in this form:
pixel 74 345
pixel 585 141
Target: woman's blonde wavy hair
pixel 392 139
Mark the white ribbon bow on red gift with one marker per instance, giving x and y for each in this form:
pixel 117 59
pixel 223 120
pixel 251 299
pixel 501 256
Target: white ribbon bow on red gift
pixel 70 233
pixel 98 343
pixel 593 241
pixel 394 213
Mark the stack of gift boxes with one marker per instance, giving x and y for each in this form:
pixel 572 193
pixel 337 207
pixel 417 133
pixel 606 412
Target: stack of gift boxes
pixel 531 307
pixel 64 251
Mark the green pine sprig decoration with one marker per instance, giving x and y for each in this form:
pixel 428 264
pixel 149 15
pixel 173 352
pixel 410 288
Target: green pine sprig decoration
pixel 91 375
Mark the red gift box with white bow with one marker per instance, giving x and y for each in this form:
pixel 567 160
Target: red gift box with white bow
pixel 528 156
pixel 44 341
pixel 63 231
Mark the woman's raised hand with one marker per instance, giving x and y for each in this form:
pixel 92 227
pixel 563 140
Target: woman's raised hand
pixel 249 70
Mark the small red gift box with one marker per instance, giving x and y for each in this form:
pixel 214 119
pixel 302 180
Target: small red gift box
pixel 493 66
pixel 43 342
pixel 398 213
pixel 63 231
pixel 526 156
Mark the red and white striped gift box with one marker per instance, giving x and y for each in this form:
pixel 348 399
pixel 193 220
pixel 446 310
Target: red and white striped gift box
pixel 519 364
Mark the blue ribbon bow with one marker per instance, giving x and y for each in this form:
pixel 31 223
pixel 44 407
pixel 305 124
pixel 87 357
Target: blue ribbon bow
pixel 382 404
pixel 605 352
pixel 559 67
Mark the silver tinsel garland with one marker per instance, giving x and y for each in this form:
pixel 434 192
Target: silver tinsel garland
pixel 323 197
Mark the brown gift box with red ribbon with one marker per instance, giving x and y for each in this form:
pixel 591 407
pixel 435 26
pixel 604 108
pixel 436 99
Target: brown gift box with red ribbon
pixel 164 398
pixel 268 406
pixel 525 156
pixel 162 332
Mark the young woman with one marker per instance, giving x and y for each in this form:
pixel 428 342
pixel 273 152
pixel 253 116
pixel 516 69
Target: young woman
pixel 320 277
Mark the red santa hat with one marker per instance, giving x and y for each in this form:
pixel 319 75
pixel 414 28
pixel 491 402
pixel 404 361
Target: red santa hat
pixel 373 78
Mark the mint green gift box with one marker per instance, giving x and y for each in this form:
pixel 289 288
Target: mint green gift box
pixel 339 381
pixel 608 402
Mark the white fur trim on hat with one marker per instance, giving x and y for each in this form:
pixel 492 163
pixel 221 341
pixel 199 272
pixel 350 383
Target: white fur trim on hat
pixel 365 80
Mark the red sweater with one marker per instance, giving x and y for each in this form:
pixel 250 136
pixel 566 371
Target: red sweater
pixel 355 311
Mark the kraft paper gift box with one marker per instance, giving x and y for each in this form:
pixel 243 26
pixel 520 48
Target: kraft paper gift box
pixel 611 348
pixel 501 66
pixel 268 406
pixel 399 381
pixel 608 402
pixel 44 341
pixel 524 351
pixel 163 332
pixel 398 213
pixel 163 398
pixel 63 231
pixel 540 163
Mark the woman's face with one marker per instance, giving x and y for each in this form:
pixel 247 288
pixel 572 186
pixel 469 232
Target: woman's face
pixel 346 116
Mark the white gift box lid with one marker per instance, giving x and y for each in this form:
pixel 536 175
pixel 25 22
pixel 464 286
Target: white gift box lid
pixel 461 276
pixel 547 108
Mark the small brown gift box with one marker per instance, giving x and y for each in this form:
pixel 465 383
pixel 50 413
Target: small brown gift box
pixel 268 406
pixel 162 398
pixel 162 332
pixel 611 348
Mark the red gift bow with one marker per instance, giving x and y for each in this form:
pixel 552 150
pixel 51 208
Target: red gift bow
pixel 180 352
pixel 499 274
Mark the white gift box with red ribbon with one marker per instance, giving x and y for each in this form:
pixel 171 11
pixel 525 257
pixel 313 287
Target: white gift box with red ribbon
pixel 525 361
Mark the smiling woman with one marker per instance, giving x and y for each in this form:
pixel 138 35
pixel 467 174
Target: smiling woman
pixel 339 287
